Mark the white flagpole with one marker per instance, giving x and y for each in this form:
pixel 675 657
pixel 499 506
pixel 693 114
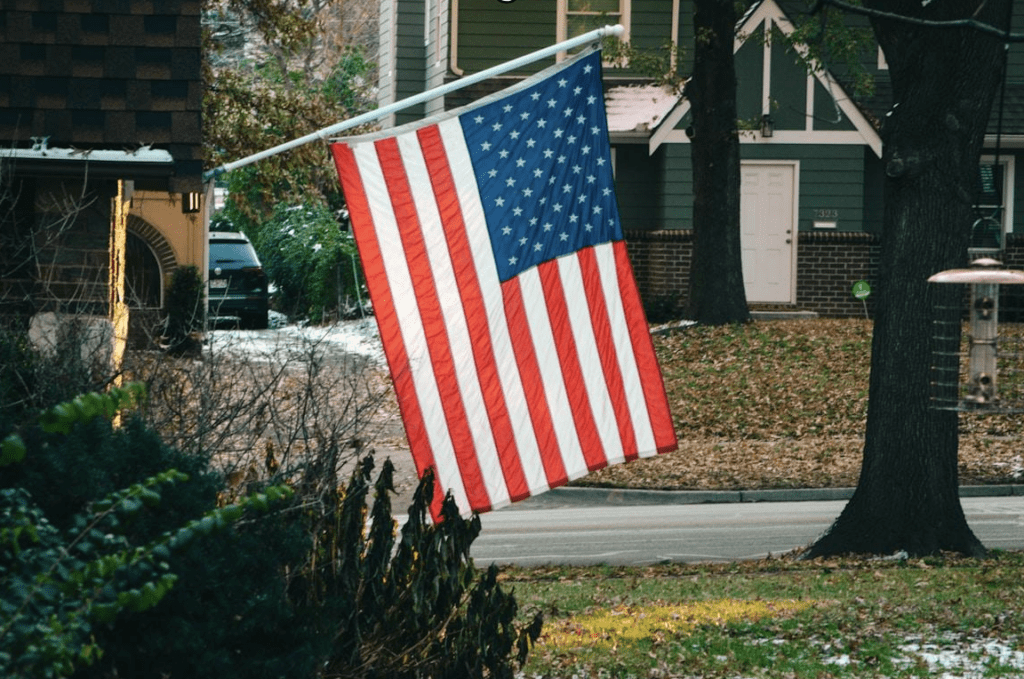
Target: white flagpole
pixel 441 91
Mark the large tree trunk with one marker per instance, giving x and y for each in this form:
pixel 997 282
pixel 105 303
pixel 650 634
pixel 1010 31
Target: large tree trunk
pixel 944 82
pixel 716 269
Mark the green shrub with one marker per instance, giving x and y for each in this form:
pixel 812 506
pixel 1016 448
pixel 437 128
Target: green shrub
pixel 31 381
pixel 184 308
pixel 311 260
pixel 60 586
pixel 17 379
pixel 417 608
pixel 298 594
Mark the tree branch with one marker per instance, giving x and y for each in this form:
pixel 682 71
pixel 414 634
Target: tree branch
pixel 928 23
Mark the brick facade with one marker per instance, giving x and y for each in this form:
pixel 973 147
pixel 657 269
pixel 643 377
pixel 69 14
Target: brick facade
pixel 828 264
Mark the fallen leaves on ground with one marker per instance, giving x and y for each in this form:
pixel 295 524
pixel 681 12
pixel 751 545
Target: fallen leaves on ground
pixel 783 404
pixel 774 404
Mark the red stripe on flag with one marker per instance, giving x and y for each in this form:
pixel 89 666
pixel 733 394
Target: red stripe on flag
pixel 533 384
pixel 387 318
pixel 572 372
pixel 474 311
pixel 438 344
pixel 606 348
pixel 643 348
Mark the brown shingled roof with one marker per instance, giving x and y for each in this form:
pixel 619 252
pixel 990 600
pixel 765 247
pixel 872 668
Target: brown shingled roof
pixel 104 74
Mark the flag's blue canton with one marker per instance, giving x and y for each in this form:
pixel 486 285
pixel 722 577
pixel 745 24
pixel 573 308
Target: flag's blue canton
pixel 543 167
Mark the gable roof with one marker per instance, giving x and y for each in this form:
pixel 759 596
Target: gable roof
pixel 768 14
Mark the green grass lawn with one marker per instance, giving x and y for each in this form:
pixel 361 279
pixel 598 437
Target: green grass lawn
pixel 770 405
pixel 779 618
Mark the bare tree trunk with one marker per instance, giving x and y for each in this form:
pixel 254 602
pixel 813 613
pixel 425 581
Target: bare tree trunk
pixel 944 82
pixel 716 294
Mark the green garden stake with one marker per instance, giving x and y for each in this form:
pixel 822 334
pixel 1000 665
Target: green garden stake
pixel 861 290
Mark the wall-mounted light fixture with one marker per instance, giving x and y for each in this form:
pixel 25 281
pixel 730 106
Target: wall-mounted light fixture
pixel 767 126
pixel 191 202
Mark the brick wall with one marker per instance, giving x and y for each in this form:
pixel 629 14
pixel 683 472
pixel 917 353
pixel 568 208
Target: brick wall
pixel 661 264
pixel 828 264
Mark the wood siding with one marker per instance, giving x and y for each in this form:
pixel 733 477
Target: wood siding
pixel 410 64
pixel 492 32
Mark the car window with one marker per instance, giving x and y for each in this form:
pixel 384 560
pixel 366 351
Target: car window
pixel 227 252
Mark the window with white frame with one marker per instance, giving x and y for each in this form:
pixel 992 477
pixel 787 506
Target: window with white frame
pixel 576 17
pixel 993 213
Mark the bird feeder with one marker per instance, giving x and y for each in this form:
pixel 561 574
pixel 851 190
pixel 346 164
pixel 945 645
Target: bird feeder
pixel 992 352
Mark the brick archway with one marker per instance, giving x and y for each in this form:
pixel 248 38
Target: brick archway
pixel 162 254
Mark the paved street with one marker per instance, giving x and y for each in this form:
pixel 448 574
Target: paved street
pixel 618 533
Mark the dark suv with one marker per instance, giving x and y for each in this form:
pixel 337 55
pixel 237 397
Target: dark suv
pixel 237 283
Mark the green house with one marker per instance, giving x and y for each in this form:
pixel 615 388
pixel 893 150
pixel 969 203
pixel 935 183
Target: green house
pixel 812 174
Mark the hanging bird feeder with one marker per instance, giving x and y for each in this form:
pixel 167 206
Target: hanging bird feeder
pixel 991 353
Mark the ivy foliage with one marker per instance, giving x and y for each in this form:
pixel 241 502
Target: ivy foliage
pixel 59 586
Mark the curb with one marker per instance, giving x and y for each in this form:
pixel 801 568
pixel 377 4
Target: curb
pixel 585 496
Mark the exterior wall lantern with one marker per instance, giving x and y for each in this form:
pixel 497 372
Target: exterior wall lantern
pixel 994 378
pixel 767 126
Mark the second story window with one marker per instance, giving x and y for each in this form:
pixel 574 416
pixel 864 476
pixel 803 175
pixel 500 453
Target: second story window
pixel 576 17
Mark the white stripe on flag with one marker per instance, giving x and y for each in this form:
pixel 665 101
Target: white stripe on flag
pixel 455 322
pixel 490 287
pixel 624 350
pixel 589 357
pixel 551 373
pixel 400 283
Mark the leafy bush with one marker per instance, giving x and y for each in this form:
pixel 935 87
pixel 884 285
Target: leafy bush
pixel 415 609
pixel 330 598
pixel 31 380
pixel 184 308
pixel 17 381
pixel 59 587
pixel 312 262
pixel 228 614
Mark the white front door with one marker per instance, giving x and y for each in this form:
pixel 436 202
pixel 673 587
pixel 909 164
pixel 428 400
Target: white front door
pixel 768 231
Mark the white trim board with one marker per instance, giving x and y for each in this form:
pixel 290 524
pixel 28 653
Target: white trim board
pixel 766 15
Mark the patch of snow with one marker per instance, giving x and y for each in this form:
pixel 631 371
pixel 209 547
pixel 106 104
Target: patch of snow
pixel 358 337
pixel 666 328
pixel 957 657
pixel 840 660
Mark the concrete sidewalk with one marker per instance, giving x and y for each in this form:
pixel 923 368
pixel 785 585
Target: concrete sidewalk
pixel 585 496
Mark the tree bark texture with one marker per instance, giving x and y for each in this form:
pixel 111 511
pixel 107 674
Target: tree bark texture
pixel 944 82
pixel 716 294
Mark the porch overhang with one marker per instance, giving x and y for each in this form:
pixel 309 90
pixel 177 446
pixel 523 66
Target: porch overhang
pixel 635 111
pixel 40 160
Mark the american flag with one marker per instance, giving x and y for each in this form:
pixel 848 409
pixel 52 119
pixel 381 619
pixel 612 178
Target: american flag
pixel 509 315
